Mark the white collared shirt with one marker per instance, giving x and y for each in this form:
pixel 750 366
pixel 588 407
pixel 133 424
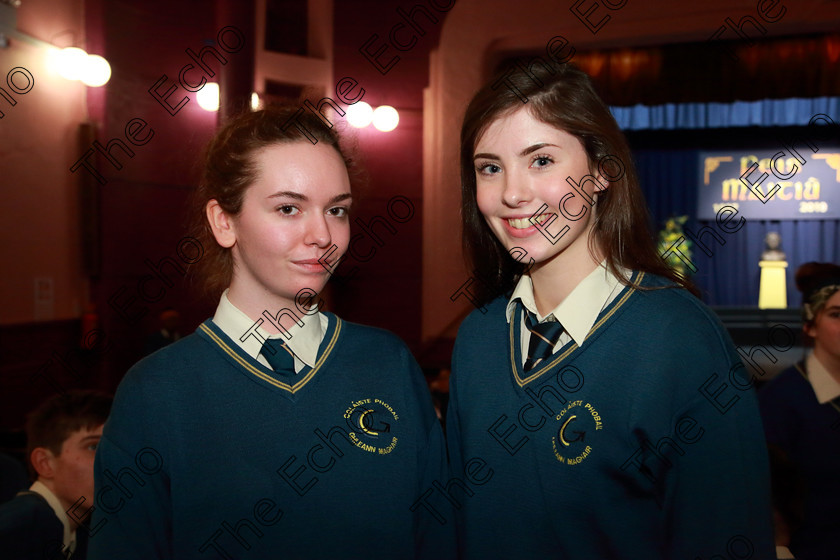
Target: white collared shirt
pixel 826 388
pixel 69 539
pixel 577 313
pixel 304 342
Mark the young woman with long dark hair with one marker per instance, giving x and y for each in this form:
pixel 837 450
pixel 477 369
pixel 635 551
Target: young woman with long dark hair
pixel 609 408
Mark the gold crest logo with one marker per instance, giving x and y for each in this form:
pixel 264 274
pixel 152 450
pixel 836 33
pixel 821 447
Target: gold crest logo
pixel 575 421
pixel 373 425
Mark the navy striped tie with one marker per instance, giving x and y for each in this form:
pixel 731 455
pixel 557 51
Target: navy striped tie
pixel 543 338
pixel 279 356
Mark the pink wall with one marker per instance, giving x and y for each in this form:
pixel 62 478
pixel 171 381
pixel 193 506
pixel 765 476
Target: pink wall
pixel 387 289
pixel 143 205
pixel 39 237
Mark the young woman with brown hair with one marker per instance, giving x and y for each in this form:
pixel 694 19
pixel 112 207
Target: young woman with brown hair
pixel 608 403
pixel 276 429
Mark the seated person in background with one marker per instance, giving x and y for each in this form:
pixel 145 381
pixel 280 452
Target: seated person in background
pixel 170 322
pixel 62 435
pixel 801 412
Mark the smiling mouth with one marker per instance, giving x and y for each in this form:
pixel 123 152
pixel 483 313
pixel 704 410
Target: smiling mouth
pixel 525 223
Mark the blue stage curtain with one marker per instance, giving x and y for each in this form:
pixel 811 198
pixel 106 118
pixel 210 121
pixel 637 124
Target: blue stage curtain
pixel 730 276
pixel 764 112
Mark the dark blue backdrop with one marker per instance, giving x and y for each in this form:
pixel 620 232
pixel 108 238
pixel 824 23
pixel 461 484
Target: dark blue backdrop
pixel 730 276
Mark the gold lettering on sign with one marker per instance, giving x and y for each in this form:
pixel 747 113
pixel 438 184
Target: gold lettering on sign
pixel 730 189
pixel 812 189
pixel 782 186
pixel 747 161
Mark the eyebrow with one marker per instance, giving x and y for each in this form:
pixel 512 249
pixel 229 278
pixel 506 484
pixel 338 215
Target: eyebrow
pixel 525 152
pixel 340 198
pixel 90 438
pixel 535 147
pixel 303 198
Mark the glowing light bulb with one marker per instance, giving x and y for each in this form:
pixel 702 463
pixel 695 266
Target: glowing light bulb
pixel 208 97
pixel 96 71
pixel 70 63
pixel 359 114
pixel 256 102
pixel 386 118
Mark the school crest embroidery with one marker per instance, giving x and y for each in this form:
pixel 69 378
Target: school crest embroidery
pixel 373 425
pixel 576 424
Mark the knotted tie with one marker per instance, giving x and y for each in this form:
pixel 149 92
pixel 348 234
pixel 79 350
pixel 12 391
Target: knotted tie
pixel 543 338
pixel 279 356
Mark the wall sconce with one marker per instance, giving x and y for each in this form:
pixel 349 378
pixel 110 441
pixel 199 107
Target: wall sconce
pixel 73 63
pixel 97 71
pixel 359 114
pixel 208 97
pixel 385 118
pixel 256 102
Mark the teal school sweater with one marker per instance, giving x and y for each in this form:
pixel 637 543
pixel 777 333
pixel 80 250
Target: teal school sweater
pixel 645 442
pixel 208 454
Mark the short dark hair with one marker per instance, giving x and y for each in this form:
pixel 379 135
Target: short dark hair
pixel 58 417
pixel 564 98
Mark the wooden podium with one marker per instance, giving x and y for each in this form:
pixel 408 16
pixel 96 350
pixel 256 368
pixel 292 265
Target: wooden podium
pixel 772 290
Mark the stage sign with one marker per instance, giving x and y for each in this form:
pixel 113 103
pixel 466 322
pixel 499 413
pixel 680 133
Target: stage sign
pixel 771 184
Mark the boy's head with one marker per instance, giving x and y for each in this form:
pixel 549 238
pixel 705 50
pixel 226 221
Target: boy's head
pixel 62 435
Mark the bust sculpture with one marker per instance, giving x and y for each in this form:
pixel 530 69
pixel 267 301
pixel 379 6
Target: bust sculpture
pixel 772 242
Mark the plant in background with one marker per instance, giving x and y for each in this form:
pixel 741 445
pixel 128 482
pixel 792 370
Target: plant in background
pixel 672 234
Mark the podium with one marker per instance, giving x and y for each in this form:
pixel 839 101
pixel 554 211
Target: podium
pixel 772 289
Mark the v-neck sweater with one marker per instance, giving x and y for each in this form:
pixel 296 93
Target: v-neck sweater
pixel 643 442
pixel 229 459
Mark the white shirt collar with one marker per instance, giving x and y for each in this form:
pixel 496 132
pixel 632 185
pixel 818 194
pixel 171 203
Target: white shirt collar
pixel 69 535
pixel 304 341
pixel 578 312
pixel 826 388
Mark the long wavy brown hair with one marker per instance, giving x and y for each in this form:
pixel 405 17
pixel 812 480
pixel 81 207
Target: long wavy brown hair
pixel 564 98
pixel 229 170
